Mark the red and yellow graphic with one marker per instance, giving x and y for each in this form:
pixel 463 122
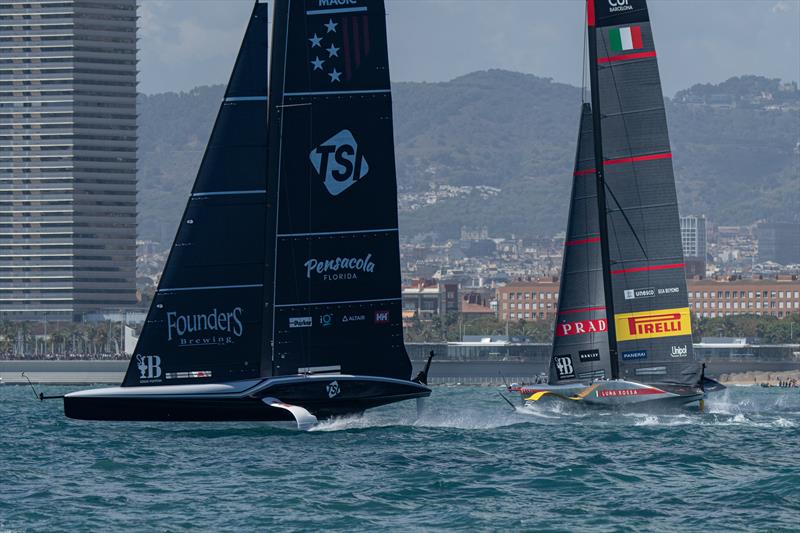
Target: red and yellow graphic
pixel 653 324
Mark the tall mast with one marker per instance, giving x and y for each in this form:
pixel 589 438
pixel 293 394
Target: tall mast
pixel 601 189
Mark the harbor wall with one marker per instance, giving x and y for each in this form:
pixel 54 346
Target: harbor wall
pixel 443 371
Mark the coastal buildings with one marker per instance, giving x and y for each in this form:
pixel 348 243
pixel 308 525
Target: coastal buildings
pixel 425 298
pixel 708 298
pixel 528 300
pixel 67 157
pixel 711 298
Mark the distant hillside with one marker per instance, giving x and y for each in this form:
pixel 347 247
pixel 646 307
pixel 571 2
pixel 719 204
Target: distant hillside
pixel 514 132
pixel 173 132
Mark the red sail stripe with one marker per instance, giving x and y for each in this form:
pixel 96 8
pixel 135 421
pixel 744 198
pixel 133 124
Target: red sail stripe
pixel 365 18
pixel 346 46
pixel 651 157
pixel 625 57
pixel 356 43
pixel 648 268
pixel 582 241
pixel 582 310
pixel 590 12
pixel 636 37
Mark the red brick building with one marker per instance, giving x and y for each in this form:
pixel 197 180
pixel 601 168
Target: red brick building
pixel 710 298
pixel 528 300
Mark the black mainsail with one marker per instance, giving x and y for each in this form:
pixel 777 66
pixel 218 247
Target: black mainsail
pixel 623 256
pixel 337 290
pixel 645 276
pixel 580 342
pixel 280 299
pixel 205 320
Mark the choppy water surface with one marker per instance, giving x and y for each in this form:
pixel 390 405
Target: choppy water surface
pixel 469 463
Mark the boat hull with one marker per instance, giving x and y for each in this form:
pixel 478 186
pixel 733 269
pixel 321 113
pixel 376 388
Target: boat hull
pixel 325 396
pixel 614 394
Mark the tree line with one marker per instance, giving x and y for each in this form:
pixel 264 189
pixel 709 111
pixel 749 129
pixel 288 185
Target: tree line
pixel 104 340
pixel 61 340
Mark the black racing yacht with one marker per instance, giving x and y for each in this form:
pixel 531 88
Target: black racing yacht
pixel 280 298
pixel 623 332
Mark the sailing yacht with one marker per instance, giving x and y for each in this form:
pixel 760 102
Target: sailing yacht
pixel 280 299
pixel 623 331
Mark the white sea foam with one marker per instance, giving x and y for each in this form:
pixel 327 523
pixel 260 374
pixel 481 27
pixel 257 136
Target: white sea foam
pixel 353 422
pixel 430 418
pixel 529 410
pixel 784 423
pixel 648 420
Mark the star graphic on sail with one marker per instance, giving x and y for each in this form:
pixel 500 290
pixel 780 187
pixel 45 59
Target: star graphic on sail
pixel 347 41
pixel 318 63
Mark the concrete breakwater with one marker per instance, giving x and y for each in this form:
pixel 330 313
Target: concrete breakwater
pixel 443 371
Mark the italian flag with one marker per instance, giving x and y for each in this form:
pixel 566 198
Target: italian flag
pixel 629 38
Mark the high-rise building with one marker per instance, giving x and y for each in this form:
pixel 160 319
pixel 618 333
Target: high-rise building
pixel 693 237
pixel 67 157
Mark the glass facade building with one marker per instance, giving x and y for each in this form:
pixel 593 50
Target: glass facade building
pixel 68 73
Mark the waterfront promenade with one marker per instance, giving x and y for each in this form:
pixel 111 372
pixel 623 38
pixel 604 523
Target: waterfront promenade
pixel 443 372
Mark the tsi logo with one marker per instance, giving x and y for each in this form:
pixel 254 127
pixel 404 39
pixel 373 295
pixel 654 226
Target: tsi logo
pixel 339 162
pixel 333 389
pixel 149 366
pixel 680 351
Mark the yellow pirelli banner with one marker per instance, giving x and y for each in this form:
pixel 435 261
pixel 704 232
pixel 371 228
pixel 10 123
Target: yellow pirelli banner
pixel 653 324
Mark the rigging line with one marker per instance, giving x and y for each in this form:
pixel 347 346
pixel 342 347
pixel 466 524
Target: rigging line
pixel 288 11
pixel 627 220
pixel 584 63
pixel 295 247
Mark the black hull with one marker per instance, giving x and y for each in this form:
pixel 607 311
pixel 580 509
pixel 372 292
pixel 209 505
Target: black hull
pixel 354 396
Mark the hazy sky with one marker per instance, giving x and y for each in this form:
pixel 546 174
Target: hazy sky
pixel 185 43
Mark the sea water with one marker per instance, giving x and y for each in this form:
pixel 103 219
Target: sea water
pixel 469 463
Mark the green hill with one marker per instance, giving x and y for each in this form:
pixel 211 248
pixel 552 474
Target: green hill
pixel 515 132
